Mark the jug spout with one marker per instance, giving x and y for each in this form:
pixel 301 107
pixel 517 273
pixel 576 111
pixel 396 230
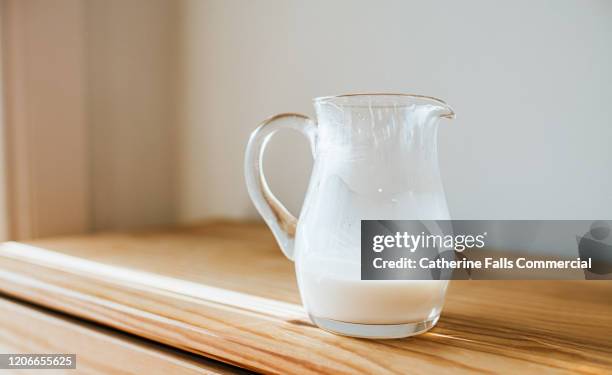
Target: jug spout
pixel 434 107
pixel 444 111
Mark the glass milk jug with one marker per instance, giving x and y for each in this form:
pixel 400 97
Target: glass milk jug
pixel 375 158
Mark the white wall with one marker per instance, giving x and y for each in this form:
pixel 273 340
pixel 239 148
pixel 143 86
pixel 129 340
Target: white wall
pixel 530 81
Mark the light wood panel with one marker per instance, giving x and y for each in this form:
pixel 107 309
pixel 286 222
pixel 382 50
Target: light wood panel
pixel 26 329
pixel 46 137
pixel 225 291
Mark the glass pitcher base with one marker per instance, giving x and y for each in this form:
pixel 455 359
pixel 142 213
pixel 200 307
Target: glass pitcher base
pixel 375 331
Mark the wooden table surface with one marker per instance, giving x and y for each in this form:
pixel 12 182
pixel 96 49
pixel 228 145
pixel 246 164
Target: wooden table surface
pixel 224 290
pixel 27 329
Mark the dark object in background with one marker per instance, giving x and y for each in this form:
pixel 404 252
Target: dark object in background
pixel 596 245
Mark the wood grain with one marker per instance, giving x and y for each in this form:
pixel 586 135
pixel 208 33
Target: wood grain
pixel 27 329
pixel 224 290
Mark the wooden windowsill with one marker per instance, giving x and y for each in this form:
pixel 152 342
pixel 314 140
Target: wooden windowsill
pixel 223 290
pixel 24 328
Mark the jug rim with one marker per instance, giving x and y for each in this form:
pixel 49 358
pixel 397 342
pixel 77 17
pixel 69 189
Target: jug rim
pixel 332 99
pixel 323 99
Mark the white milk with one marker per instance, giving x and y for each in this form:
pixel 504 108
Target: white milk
pixel 328 252
pixel 333 290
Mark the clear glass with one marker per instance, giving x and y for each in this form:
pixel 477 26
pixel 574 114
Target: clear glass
pixel 375 158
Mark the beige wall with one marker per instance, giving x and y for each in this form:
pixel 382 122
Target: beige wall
pixel 172 89
pixel 3 207
pixel 132 59
pixel 45 111
pixel 90 114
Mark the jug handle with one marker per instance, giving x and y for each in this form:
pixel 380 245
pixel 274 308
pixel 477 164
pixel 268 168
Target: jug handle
pixel 282 223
